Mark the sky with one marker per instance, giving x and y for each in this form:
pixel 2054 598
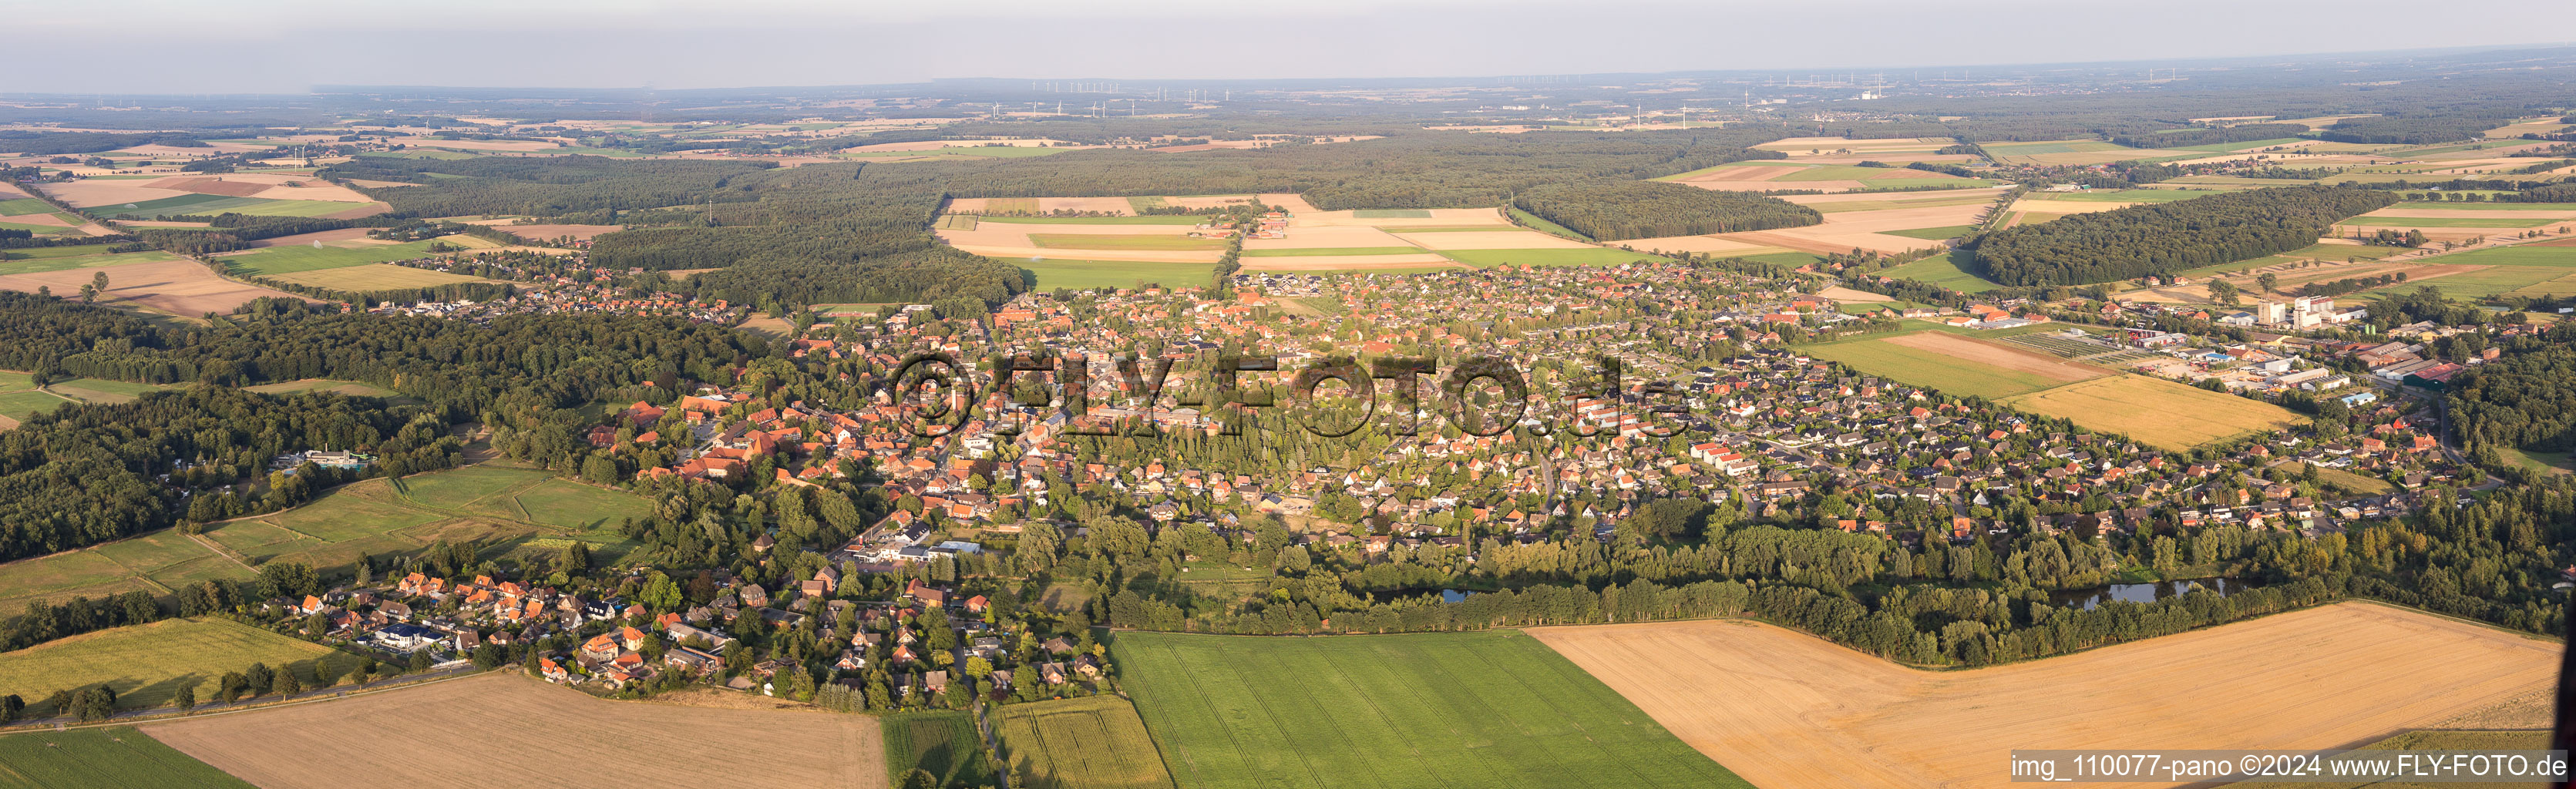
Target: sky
pixel 287 46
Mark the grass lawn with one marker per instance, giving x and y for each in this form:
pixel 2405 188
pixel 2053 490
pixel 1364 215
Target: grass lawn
pixel 1055 273
pixel 115 757
pixel 2563 258
pixel 1951 375
pixel 1095 220
pixel 273 261
pixel 1934 233
pixel 1123 241
pixel 1956 271
pixel 944 743
pixel 1541 224
pixel 1331 253
pixel 147 664
pixel 2544 462
pixel 1419 710
pixel 98 390
pixel 1096 742
pixel 2168 414
pixel 380 516
pixel 1591 256
pixel 2354 483
pixel 26 403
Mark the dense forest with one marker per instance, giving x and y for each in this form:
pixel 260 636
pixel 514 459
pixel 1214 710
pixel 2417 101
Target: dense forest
pixel 1621 210
pixel 52 143
pixel 2162 238
pixel 2527 399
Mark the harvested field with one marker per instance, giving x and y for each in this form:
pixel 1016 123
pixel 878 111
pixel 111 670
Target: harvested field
pixel 1434 217
pixel 1840 293
pixel 1501 239
pixel 1883 356
pixel 1786 709
pixel 447 733
pixel 2166 414
pixel 2013 359
pixel 1347 262
pixel 1716 244
pixel 175 287
pixel 213 186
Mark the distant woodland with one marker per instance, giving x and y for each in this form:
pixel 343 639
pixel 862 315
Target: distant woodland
pixel 1648 209
pixel 2161 238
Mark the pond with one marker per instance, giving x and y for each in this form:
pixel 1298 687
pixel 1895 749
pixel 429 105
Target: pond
pixel 2088 599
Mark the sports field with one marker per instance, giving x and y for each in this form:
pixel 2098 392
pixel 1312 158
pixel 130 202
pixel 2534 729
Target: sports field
pixel 2167 414
pixel 504 729
pixel 114 757
pixel 1087 743
pixel 148 663
pixel 1396 711
pixel 1787 709
pixel 944 743
pixel 1954 364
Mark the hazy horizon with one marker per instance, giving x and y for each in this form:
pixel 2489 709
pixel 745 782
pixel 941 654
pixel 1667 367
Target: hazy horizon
pixel 290 46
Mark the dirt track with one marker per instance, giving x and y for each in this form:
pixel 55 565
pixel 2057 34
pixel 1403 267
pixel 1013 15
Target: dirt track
pixel 506 730
pixel 1784 709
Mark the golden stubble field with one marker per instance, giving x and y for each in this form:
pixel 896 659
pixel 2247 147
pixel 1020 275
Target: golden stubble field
pixel 1782 708
pixel 504 730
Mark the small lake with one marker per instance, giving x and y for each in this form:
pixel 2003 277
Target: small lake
pixel 2088 599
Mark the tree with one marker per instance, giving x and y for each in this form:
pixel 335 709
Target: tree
pixel 2268 281
pixel 420 661
pixel 259 679
pixel 2223 292
pixel 287 684
pixel 918 779
pixel 11 707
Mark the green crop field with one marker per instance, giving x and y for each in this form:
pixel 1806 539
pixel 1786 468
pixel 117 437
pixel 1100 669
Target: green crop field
pixel 375 276
pixel 2167 414
pixel 1494 708
pixel 2127 195
pixel 18 261
pixel 1055 273
pixel 2535 256
pixel 1974 197
pixel 114 757
pixel 23 206
pixel 2445 205
pixel 1955 271
pixel 41 230
pixel 1331 253
pixel 1087 743
pixel 1886 183
pixel 2064 146
pixel 1588 256
pixel 2520 270
pixel 147 664
pixel 1934 233
pixel 944 743
pixel 273 261
pixel 1141 205
pixel 1949 374
pixel 1122 241
pixel 1096 220
pixel 20 405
